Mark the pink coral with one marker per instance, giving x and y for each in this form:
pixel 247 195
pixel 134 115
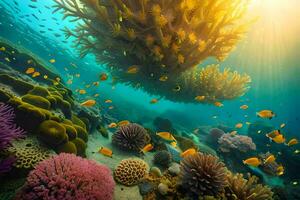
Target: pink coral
pixel 242 143
pixel 68 177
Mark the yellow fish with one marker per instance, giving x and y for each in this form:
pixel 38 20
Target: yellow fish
pixel 105 151
pixel 132 69
pixel 153 101
pixel 112 125
pixel 96 83
pixel 52 60
pixel 123 123
pixel 166 136
pixel 88 103
pixel 279 139
pixel 280 170
pixel 244 107
pixel 96 95
pixel 190 151
pixel 271 158
pixel 29 70
pixel 239 125
pixel 82 92
pixel 266 114
pixel 218 104
pixel 2 49
pixel 108 101
pixel 254 162
pixel 199 98
pixel 273 134
pixel 45 76
pixel 147 148
pixel 292 142
pixel 282 125
pixel 36 74
pixel 173 144
pixel 163 78
pixel 248 123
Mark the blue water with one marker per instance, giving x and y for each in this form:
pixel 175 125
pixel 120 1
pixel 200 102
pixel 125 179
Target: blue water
pixel 275 82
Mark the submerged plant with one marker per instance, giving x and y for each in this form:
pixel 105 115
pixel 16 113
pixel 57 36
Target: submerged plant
pixel 162 41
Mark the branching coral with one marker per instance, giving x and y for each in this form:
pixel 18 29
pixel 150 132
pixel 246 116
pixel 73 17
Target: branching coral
pixel 243 189
pixel 162 39
pixel 203 174
pixel 66 177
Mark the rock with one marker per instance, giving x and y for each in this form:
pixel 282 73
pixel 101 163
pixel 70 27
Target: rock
pixel 155 171
pixel 146 187
pixel 174 169
pixel 163 189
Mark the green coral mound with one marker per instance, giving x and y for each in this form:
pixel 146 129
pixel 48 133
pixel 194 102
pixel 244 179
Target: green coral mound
pixel 81 133
pixel 80 146
pixel 68 147
pixel 39 91
pixel 52 133
pixel 19 86
pixel 71 131
pixel 38 101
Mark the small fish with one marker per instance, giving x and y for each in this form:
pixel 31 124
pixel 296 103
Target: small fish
pixel 105 151
pixel 153 101
pixel 166 136
pixel 190 151
pixel 2 49
pixel 88 86
pixel 292 142
pixel 163 78
pixel 36 74
pixel 96 95
pixel 110 107
pixel 88 103
pixel 96 83
pixel 273 134
pixel 233 133
pixel 244 107
pixel 70 81
pixel 295 183
pixel 177 88
pixel 239 125
pixel 52 60
pixel 259 131
pixel 280 170
pixel 7 59
pixel 82 92
pixel 147 148
pixel 30 70
pixel 132 69
pixel 279 139
pixel 199 98
pixel 297 151
pixel 266 114
pixel 271 158
pixel 282 125
pixel 173 144
pixel 218 104
pixel 103 77
pixel 45 77
pixel 248 123
pixel 77 75
pixel 108 101
pixel 254 162
pixel 123 123
pixel 112 125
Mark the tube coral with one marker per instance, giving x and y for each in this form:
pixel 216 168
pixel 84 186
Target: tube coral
pixel 66 177
pixel 164 40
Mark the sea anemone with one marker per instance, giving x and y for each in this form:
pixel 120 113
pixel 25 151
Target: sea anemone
pixel 243 189
pixel 162 158
pixel 8 129
pixel 66 177
pixel 131 137
pixel 203 174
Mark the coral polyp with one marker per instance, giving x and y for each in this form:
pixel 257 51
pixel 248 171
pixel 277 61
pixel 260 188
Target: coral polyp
pixel 163 39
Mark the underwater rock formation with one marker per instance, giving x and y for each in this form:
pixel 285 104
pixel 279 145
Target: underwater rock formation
pixel 131 137
pixel 61 177
pixel 155 45
pixel 242 143
pixel 203 174
pixel 130 171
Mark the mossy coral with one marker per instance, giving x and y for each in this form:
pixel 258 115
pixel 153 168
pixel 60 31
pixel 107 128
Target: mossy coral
pixel 68 147
pixel 81 133
pixel 19 86
pixel 161 39
pixel 71 131
pixel 130 171
pixel 80 146
pixel 38 101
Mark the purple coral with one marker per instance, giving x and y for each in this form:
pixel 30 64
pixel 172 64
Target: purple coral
pixel 68 177
pixel 242 143
pixel 8 129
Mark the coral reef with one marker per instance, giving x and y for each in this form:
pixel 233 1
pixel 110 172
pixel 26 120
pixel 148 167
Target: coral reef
pixel 242 143
pixel 6 164
pixel 61 177
pixel 162 158
pixel 163 41
pixel 130 171
pixel 203 174
pixel 243 189
pixel 185 143
pixel 269 168
pixel 131 137
pixel 214 135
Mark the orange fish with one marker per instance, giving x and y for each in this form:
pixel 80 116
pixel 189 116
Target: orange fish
pixel 292 142
pixel 254 162
pixel 273 134
pixel 123 123
pixel 271 158
pixel 147 148
pixel 36 74
pixel 266 114
pixel 88 103
pixel 190 151
pixel 108 101
pixel 280 170
pixel 82 92
pixel 103 77
pixel 30 70
pixel 199 98
pixel 218 104
pixel 244 107
pixel 153 101
pixel 239 125
pixel 166 135
pixel 96 83
pixel 279 139
pixel 106 152
pixel 163 78
pixel 133 69
pixel 112 125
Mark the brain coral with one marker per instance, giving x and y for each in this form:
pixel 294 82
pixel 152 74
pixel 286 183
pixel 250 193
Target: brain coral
pixel 163 41
pixel 203 174
pixel 68 177
pixel 131 137
pixel 130 171
pixel 242 143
